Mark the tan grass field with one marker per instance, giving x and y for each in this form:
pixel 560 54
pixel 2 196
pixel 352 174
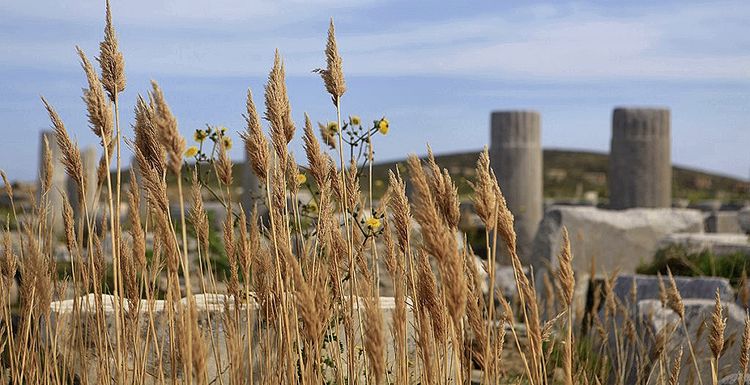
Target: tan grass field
pixel 301 301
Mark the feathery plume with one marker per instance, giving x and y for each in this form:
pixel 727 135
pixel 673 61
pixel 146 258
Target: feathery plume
pixel 374 338
pixel 198 214
pixel 674 299
pixel 256 144
pixel 663 298
pixel 333 75
pixel 428 296
pixel 399 205
pixel 485 186
pixel 71 156
pixel 278 109
pixel 565 272
pixel 9 264
pixel 111 60
pixel 7 185
pixel 147 139
pixel 224 166
pixel 444 191
pixel 317 161
pixel 48 170
pixel 745 349
pixel 166 126
pixel 674 374
pixel 69 225
pixel 718 324
pixel 97 105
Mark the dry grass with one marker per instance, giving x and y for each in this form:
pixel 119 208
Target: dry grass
pixel 301 300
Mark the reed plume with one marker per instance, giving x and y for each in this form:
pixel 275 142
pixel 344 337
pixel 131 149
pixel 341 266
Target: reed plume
pixel 315 157
pixel 256 144
pixel 198 215
pixel 399 205
pixel 7 185
pixel 375 338
pixel 333 75
pixel 224 166
pixel 97 104
pixel 278 110
pixel 166 126
pixel 485 197
pixel 716 337
pixel 71 156
pixel 674 373
pixel 565 271
pixel 111 60
pixel 674 299
pixel 48 170
pixel 147 138
pixel 745 350
pixel 718 324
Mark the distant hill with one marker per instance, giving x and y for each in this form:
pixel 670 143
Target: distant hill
pixel 568 174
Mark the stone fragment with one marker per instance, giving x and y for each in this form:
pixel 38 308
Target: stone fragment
pixel 609 239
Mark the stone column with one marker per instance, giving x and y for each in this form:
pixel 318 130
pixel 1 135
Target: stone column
pixel 58 186
pixel 90 161
pixel 640 165
pixel 516 157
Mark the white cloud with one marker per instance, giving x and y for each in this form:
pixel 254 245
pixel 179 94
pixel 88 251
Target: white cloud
pixel 680 41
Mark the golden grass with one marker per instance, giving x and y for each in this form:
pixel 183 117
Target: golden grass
pixel 300 301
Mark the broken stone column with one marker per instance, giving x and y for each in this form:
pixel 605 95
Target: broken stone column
pixel 90 161
pixel 640 165
pixel 516 157
pixel 58 186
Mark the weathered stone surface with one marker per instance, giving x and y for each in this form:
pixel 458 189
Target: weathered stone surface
pixel 719 244
pixel 723 222
pixel 647 287
pixel 733 379
pixel 640 166
pixel 611 239
pixel 516 152
pixel 214 322
pixel 654 318
pixel 743 217
pixel 90 163
pixel 505 281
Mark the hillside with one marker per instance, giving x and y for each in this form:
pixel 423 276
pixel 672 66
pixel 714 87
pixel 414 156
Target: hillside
pixel 567 174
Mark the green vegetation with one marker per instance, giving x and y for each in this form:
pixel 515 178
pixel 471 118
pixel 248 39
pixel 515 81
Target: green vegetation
pixel 568 173
pixel 684 263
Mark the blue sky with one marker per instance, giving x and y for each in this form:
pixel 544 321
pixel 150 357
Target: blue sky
pixel 436 69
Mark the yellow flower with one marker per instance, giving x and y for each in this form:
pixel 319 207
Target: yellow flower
pixel 354 119
pixel 191 152
pixel 301 179
pixel 222 130
pixel 227 142
pixel 373 223
pixel 200 135
pixel 333 127
pixel 383 126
